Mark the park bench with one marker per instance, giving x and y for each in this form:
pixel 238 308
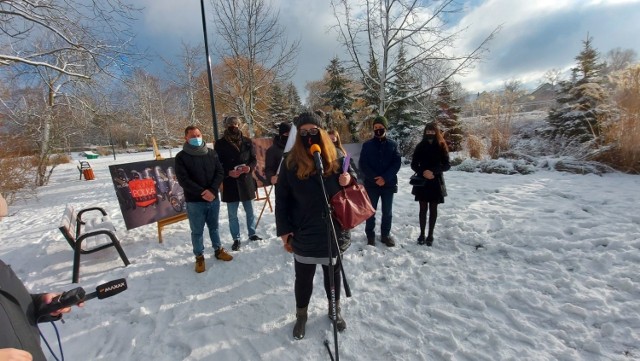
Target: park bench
pixel 77 231
pixel 85 169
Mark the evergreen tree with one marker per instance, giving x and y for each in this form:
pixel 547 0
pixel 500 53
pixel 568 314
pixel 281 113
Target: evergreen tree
pixel 447 117
pixel 370 86
pixel 338 97
pixel 293 101
pixel 582 102
pixel 403 115
pixel 278 107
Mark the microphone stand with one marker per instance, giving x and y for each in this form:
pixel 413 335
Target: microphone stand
pixel 333 242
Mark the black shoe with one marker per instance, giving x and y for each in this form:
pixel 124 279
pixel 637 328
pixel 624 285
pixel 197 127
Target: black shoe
pixel 388 240
pixel 429 240
pixel 371 240
pixel 255 237
pixel 421 240
pixel 236 245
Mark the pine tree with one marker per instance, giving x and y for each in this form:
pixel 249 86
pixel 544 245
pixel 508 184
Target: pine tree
pixel 278 107
pixel 338 97
pixel 447 117
pixel 293 101
pixel 582 102
pixel 370 88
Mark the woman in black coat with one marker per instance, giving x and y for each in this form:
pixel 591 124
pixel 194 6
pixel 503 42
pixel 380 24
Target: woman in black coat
pixel 430 160
pixel 300 214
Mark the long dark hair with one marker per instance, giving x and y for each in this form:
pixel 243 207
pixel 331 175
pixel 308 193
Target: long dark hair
pixel 439 136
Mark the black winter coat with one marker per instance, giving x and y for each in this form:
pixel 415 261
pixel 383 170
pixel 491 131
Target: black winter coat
pixel 273 157
pixel 196 173
pixel 431 157
pixel 300 208
pixel 380 157
pixel 242 188
pixel 19 316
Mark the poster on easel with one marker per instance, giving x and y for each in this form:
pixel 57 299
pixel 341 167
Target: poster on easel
pixel 147 191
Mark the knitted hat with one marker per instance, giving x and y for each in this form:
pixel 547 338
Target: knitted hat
pixel 284 127
pixel 229 121
pixel 309 118
pixel 381 120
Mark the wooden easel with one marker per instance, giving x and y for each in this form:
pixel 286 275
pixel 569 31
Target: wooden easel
pixel 266 198
pixel 172 219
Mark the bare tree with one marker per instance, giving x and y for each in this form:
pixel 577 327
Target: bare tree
pixel 256 49
pixel 552 77
pixel 618 59
pixel 61 42
pixel 377 29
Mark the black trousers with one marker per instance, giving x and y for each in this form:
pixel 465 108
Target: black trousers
pixel 304 282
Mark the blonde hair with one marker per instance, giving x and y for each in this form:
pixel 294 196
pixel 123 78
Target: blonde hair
pixel 300 157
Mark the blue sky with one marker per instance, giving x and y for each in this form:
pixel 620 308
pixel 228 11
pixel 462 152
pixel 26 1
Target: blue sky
pixel 537 36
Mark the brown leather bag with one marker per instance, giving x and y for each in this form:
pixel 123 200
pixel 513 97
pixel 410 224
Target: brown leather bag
pixel 351 205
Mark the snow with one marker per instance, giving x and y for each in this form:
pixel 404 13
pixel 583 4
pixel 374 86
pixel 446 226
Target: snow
pixel 542 266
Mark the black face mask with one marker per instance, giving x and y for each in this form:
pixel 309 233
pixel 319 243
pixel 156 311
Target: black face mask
pixel 309 140
pixel 379 132
pixel 233 130
pixel 284 138
pixel 430 138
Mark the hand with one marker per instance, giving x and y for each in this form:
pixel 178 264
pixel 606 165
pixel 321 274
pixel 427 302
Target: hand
pixel 208 195
pixel 344 179
pixel 428 174
pixel 379 181
pixel 13 354
pixel 234 173
pixel 274 179
pixel 286 240
pixel 245 169
pixel 48 297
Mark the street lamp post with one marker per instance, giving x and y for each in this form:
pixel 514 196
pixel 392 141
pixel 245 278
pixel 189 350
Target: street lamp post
pixel 206 49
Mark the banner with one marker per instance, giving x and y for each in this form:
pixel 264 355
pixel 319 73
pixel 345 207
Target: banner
pixel 147 191
pixel 260 145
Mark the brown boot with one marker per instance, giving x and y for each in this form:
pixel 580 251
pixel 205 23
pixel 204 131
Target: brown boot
pixel 222 255
pixel 341 325
pixel 301 322
pixel 200 267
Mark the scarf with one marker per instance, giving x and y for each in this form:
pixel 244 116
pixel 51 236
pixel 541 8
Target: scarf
pixel 192 150
pixel 233 139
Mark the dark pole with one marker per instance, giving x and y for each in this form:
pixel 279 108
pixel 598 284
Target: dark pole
pixel 206 49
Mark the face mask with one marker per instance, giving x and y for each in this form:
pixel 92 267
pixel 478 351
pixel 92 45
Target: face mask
pixel 234 130
pixel 379 132
pixel 309 139
pixel 196 142
pixel 430 138
pixel 284 138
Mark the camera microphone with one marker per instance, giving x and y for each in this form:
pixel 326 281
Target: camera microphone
pixel 77 295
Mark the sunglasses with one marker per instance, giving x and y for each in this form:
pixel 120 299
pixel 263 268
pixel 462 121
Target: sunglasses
pixel 312 131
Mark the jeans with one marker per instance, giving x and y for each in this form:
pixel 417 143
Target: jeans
pixel 201 213
pixel 386 194
pixel 234 224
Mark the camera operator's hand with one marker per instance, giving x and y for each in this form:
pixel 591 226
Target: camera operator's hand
pixel 13 354
pixel 48 297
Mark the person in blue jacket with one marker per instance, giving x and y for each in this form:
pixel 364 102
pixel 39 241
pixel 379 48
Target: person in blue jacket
pixel 380 162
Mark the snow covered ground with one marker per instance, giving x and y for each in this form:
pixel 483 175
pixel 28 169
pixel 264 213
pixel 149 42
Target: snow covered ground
pixel 542 266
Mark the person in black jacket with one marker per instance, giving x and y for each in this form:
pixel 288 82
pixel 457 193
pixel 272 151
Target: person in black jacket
pixel 199 173
pixel 19 317
pixel 430 160
pixel 273 157
pixel 301 215
pixel 238 158
pixel 380 162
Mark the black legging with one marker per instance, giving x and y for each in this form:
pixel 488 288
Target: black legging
pixel 304 282
pixel 433 215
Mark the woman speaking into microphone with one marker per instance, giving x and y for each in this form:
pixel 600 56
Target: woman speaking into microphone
pixel 301 213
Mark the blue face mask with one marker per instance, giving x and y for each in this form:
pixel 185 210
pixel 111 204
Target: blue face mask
pixel 196 142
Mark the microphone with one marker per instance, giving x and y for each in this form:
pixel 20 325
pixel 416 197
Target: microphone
pixel 316 151
pixel 77 295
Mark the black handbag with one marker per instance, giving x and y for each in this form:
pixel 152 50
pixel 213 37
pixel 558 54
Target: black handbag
pixel 417 181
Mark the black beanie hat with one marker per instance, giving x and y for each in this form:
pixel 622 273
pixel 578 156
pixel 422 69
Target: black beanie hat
pixel 284 127
pixel 381 120
pixel 308 118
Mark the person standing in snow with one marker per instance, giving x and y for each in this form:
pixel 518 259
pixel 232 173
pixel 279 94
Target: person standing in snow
pixel 273 157
pixel 238 158
pixel 380 162
pixel 199 173
pixel 430 160
pixel 299 210
pixel 19 317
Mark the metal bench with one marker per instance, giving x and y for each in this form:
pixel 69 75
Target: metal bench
pixel 77 231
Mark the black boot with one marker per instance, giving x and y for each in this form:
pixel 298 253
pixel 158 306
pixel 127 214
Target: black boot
pixel 301 322
pixel 341 325
pixel 429 240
